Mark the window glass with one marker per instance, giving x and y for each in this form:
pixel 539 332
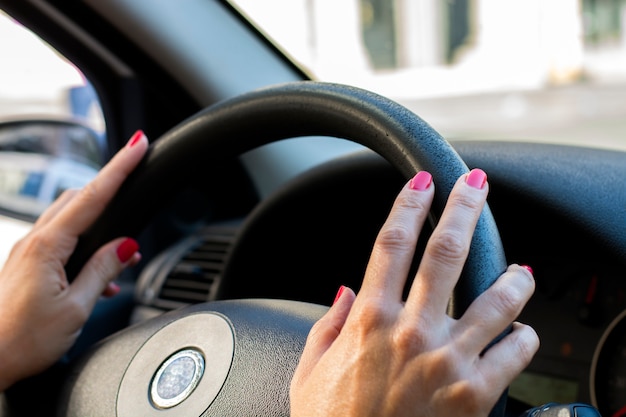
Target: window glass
pixel 528 70
pixel 35 80
pixel 52 134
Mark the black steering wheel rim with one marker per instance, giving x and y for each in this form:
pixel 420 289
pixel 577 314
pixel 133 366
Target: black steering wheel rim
pixel 297 109
pixel 232 127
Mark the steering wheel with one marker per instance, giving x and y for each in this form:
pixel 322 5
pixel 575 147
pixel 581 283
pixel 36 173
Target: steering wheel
pixel 239 355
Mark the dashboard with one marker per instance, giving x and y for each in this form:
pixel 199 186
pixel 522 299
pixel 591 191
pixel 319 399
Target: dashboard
pixel 577 311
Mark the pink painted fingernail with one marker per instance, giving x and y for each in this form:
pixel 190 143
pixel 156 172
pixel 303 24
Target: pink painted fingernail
pixel 338 296
pixel 476 178
pixel 135 138
pixel 127 249
pixel 421 181
pixel 528 268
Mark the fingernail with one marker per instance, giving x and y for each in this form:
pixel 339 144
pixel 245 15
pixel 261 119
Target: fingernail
pixel 528 268
pixel 338 296
pixel 113 288
pixel 135 138
pixel 421 181
pixel 476 178
pixel 127 249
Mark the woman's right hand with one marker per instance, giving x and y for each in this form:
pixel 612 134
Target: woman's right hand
pixel 376 354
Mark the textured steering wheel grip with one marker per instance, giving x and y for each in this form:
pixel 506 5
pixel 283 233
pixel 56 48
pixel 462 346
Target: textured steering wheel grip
pixel 306 108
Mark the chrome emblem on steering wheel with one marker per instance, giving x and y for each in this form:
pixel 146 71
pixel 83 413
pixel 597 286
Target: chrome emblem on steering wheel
pixel 176 378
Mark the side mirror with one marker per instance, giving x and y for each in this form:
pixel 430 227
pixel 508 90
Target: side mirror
pixel 39 159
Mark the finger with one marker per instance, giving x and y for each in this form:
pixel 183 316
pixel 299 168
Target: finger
pixel 56 206
pixel 103 267
pixel 509 357
pixel 490 314
pixel 448 246
pixel 393 251
pixel 81 211
pixel 112 289
pixel 324 332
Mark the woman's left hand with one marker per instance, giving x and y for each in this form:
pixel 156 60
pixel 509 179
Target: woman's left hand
pixel 41 313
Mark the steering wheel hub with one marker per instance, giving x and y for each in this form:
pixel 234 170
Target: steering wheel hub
pixel 167 375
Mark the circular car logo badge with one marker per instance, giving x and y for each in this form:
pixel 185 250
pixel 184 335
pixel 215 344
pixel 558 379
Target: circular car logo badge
pixel 169 375
pixel 176 378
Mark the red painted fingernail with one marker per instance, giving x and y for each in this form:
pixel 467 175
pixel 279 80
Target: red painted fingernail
pixel 421 181
pixel 113 289
pixel 135 138
pixel 338 296
pixel 476 178
pixel 127 249
pixel 528 268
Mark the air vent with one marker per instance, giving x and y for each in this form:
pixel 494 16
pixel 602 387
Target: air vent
pixel 193 278
pixel 193 270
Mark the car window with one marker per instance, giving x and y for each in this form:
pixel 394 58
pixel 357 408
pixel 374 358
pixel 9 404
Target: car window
pixel 551 71
pixel 52 134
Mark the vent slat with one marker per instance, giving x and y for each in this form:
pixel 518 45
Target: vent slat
pixel 183 296
pixel 195 277
pixel 189 284
pixel 199 266
pixel 217 258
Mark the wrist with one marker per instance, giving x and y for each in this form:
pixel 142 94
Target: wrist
pixel 9 361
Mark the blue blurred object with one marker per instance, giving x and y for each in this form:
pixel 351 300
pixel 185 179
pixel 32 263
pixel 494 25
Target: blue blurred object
pixel 81 98
pixel 562 410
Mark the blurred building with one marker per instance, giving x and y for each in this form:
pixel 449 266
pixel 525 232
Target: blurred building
pixel 549 39
pixel 456 45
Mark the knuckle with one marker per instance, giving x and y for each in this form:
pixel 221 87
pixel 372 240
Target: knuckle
pixel 89 192
pixel 90 196
pixel 465 202
pixel 400 233
pixel 440 370
pixel 471 395
pixel 36 242
pixel 416 335
pixel 507 300
pixel 412 201
pixel 409 339
pixel 448 245
pixel 372 316
pixel 395 237
pixel 527 344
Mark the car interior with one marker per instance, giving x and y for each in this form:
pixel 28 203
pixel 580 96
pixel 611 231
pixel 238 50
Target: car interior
pixel 263 192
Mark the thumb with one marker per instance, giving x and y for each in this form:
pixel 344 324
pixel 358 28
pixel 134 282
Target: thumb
pixel 324 332
pixel 95 279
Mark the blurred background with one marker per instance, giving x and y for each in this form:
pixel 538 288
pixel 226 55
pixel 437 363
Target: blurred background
pixel 36 81
pixel 545 70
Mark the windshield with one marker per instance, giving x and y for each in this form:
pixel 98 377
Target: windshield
pixel 549 71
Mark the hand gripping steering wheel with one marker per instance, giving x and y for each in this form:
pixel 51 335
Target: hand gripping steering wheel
pixel 241 353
